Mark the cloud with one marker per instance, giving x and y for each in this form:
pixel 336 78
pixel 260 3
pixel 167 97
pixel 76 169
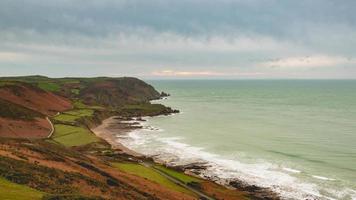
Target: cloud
pixel 309 62
pixel 192 38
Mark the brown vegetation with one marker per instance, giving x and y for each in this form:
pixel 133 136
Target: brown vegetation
pixel 33 98
pixel 37 128
pixel 54 169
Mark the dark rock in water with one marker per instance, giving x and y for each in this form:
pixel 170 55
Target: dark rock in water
pixel 255 191
pixel 163 94
pixel 240 185
pixel 175 111
pixel 123 118
pixel 196 172
pixel 168 111
pixel 140 119
pixel 194 166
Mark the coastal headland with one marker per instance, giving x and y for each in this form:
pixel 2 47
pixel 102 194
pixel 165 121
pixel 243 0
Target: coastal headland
pixel 58 141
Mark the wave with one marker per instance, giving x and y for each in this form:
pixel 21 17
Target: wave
pixel 173 151
pixel 323 178
pixel 291 170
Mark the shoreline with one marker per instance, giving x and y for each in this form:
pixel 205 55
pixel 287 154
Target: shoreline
pixel 115 126
pixel 103 131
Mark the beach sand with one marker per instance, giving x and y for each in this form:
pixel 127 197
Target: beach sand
pixel 113 127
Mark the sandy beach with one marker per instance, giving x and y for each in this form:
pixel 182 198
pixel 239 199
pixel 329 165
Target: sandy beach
pixel 113 127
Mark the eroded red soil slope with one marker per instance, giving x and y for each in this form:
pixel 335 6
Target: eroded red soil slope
pixel 35 99
pixel 37 128
pixel 23 111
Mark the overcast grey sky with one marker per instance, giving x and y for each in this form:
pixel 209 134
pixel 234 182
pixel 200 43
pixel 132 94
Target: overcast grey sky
pixel 182 38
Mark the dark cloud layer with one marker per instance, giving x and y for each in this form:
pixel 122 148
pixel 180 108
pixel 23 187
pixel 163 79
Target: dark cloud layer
pixel 176 35
pixel 276 18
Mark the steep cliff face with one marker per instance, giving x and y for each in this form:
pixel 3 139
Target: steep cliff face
pixel 117 92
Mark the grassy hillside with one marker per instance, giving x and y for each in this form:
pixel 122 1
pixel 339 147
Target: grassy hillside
pixel 60 172
pixel 73 115
pixel 178 175
pixel 103 91
pixel 49 86
pixel 14 111
pixel 149 174
pixel 116 92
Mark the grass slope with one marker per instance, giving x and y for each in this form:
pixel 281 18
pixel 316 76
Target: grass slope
pixel 150 174
pixel 178 175
pixel 13 191
pixel 49 86
pixel 73 115
pixel 80 105
pixel 73 135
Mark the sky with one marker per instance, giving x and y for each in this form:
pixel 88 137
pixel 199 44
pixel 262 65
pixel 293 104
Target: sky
pixel 228 39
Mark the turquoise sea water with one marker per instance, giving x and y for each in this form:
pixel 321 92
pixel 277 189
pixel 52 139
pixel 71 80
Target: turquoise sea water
pixel 297 137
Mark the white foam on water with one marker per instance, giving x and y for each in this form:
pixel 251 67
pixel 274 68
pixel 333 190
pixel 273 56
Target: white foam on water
pixel 291 170
pixel 323 178
pixel 260 174
pixel 173 151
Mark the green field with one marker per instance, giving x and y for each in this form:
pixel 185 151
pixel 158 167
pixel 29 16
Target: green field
pixel 150 174
pixel 75 91
pixel 13 191
pixel 73 115
pixel 49 86
pixel 73 135
pixel 66 118
pixel 3 83
pixel 80 105
pixel 178 175
pixel 81 112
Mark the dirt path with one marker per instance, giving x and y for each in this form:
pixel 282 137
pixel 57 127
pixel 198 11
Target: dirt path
pixel 177 181
pixel 52 128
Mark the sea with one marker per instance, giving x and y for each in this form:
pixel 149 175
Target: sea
pixel 294 137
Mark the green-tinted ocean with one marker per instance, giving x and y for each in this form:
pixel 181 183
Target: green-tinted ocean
pixel 297 137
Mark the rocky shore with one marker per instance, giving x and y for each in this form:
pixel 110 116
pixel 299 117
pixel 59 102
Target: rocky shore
pixel 114 127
